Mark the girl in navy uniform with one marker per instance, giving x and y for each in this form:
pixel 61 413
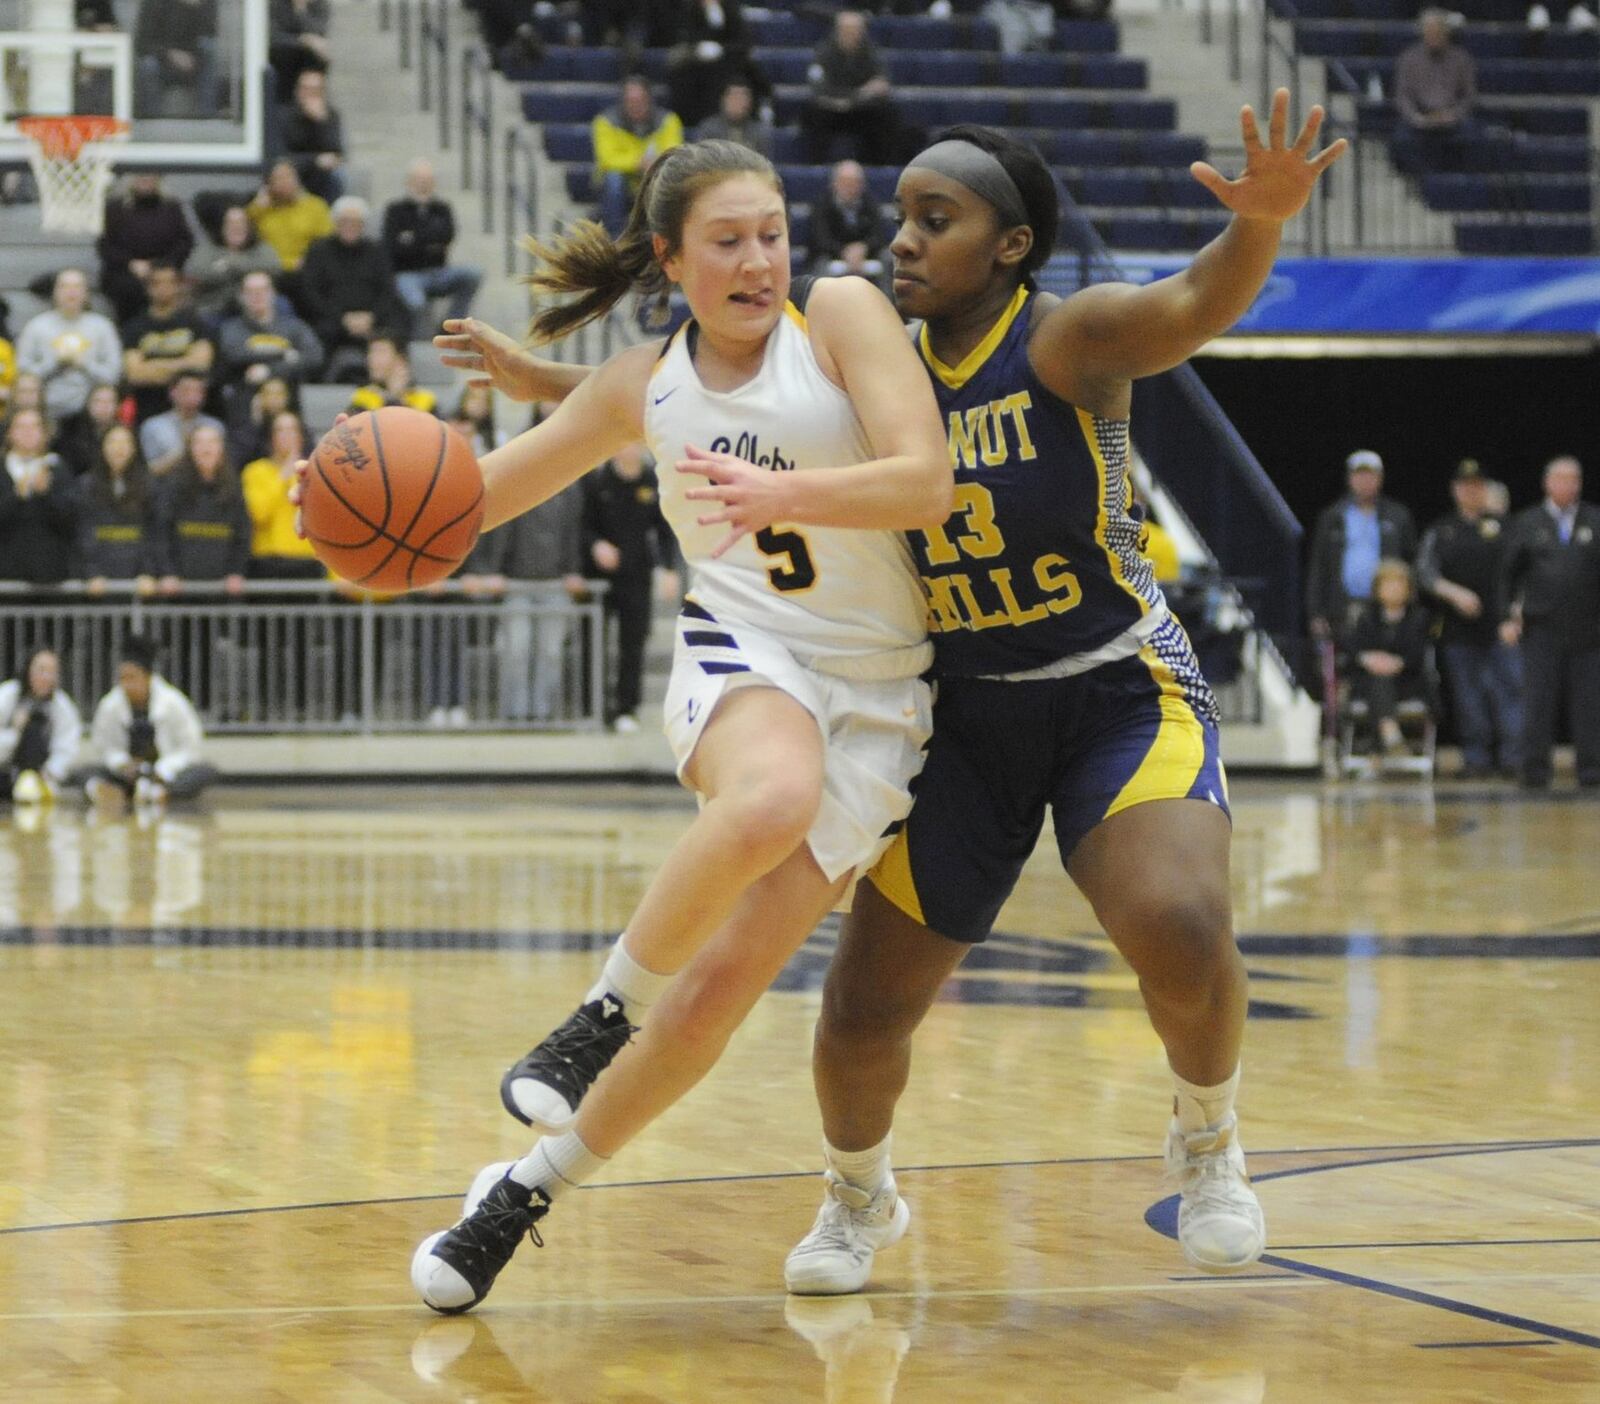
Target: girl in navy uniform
pixel 1063 680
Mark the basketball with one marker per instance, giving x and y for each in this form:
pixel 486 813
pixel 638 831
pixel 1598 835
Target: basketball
pixel 393 500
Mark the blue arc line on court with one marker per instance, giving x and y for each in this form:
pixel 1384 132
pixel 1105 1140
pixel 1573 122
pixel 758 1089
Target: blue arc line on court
pixel 1162 1216
pixel 1479 1345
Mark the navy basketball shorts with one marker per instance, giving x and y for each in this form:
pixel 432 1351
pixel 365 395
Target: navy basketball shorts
pixel 1089 746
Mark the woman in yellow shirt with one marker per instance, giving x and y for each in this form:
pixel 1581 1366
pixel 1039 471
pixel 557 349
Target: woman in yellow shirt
pixel 276 551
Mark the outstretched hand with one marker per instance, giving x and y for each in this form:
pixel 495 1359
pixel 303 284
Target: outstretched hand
pixel 1277 178
pixel 751 497
pixel 492 358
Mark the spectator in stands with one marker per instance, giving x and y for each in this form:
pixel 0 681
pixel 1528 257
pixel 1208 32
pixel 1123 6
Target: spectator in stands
pixel 164 438
pixel 625 539
pixel 94 15
pixel 261 341
pixel 70 348
pixel 37 512
pixel 1390 645
pixel 1550 586
pixel 116 539
pixel 148 736
pixel 389 380
pixel 219 270
pixel 78 436
pixel 8 359
pixel 250 418
pixel 849 96
pixel 712 49
pixel 143 227
pixel 848 232
pixel 418 230
pixel 163 343
pixel 202 527
pixel 1021 24
pixel 297 39
pixel 1435 87
pixel 541 546
pixel 40 730
pixel 737 120
pixel 288 216
pixel 313 134
pixel 627 140
pixel 476 407
pixel 175 51
pixel 1458 563
pixel 26 392
pixel 347 279
pixel 633 24
pixel 1351 537
pixel 277 550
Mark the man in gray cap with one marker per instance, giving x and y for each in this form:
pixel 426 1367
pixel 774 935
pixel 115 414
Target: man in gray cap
pixel 1351 537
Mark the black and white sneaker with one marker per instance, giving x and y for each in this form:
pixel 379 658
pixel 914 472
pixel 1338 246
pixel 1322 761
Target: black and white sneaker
pixel 453 1270
pixel 544 1087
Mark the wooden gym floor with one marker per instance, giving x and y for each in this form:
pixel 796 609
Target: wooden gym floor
pixel 250 1057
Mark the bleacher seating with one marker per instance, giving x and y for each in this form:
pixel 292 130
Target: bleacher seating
pixel 1083 104
pixel 1526 185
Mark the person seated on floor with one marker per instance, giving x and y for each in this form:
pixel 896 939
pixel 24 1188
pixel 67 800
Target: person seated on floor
pixel 147 734
pixel 389 380
pixel 1390 646
pixel 39 731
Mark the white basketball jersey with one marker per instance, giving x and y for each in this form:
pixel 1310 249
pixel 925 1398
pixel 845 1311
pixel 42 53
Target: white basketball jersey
pixel 829 593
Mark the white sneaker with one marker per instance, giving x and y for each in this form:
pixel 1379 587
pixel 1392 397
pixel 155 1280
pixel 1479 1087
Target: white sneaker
pixel 852 1226
pixel 1539 19
pixel 1580 20
pixel 149 791
pixel 457 717
pixel 625 725
pixel 438 718
pixel 1220 1223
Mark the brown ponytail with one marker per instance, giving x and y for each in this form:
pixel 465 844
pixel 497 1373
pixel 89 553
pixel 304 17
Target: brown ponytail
pixel 599 271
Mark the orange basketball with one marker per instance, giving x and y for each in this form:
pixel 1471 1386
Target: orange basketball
pixel 393 501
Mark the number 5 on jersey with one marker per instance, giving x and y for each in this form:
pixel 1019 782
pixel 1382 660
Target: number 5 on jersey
pixel 798 571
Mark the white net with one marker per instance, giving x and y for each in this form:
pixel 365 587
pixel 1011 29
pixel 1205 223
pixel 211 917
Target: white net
pixel 72 187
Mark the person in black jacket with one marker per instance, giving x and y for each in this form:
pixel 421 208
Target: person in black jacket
pixel 202 527
pixel 1550 600
pixel 347 282
pixel 175 47
pixel 313 136
pixel 1458 563
pixel 116 536
pixel 37 511
pixel 847 227
pixel 712 50
pixel 143 228
pixel 418 230
pixel 1390 646
pixel 849 96
pixel 78 436
pixel 625 538
pixel 1351 537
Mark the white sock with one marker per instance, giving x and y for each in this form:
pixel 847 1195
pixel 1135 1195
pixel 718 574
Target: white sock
pixel 623 977
pixel 1204 1108
pixel 865 1169
pixel 557 1164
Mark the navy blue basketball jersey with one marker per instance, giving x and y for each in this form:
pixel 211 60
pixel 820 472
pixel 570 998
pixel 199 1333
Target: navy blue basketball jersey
pixel 1040 559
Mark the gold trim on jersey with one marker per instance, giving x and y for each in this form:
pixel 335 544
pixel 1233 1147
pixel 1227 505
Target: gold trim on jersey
pixel 1102 520
pixel 954 378
pixel 891 875
pixel 795 315
pixel 1176 755
pixel 666 348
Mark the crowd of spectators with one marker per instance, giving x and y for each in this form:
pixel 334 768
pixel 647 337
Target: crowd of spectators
pixel 1508 602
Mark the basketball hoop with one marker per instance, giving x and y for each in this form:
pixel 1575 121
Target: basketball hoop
pixel 72 168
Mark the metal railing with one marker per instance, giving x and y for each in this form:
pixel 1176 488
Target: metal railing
pixel 477 120
pixel 433 64
pixel 521 174
pixel 297 656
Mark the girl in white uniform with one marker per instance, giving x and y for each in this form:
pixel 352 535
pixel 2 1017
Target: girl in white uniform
pixel 798 438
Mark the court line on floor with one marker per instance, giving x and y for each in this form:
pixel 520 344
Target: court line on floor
pixel 1162 1216
pixel 695 1300
pixel 1444 1147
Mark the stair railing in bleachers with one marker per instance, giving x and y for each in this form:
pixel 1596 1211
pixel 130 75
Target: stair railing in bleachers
pixel 521 186
pixel 1198 457
pixel 477 119
pixel 433 66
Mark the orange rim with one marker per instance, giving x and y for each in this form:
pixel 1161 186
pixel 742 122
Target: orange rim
pixel 63 138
